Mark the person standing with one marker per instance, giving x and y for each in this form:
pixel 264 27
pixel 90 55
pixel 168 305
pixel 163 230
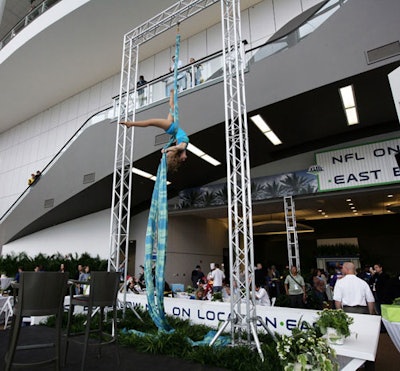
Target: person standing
pixel 141 92
pixel 295 288
pixel 352 294
pixel 18 275
pixel 78 287
pixel 181 75
pixel 260 275
pixel 274 283
pixel 379 282
pixel 197 275
pixel 217 276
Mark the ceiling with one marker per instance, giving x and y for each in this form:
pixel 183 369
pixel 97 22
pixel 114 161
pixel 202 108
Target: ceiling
pixel 301 124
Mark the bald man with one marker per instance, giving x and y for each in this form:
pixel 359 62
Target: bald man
pixel 352 293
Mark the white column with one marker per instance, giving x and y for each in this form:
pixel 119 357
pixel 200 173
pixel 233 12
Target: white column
pixel 2 6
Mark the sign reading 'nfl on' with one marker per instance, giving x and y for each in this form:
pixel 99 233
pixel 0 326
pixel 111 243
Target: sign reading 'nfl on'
pixel 359 166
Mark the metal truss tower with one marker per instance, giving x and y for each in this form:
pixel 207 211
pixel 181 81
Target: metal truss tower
pixel 125 111
pixel 243 318
pixel 291 233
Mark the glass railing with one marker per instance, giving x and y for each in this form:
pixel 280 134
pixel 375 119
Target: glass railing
pixel 29 18
pixel 210 69
pixel 204 72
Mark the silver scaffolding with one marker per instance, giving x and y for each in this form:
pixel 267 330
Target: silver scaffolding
pixel 243 318
pixel 291 232
pixel 125 110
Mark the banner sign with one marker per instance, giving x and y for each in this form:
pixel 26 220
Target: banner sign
pixel 362 344
pixel 360 166
pixel 211 313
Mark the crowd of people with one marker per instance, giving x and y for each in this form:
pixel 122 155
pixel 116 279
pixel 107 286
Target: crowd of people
pixel 343 286
pixel 360 291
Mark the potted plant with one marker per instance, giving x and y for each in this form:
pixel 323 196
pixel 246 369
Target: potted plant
pixel 335 323
pixel 305 350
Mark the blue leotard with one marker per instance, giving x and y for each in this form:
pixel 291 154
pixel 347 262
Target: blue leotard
pixel 178 133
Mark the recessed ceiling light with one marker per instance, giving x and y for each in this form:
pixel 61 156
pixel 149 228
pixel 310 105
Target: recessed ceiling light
pixel 350 204
pixel 349 104
pixel 265 129
pixel 319 210
pixel 348 200
pixel 198 152
pixel 354 211
pixel 145 174
pixel 390 196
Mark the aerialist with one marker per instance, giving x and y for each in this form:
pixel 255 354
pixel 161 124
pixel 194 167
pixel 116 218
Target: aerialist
pixel 176 154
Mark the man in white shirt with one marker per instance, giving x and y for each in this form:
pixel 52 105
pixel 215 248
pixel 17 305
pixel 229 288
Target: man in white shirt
pixel 217 276
pixel 352 293
pixel 262 296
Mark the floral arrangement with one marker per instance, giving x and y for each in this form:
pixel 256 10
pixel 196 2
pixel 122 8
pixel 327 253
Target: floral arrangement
pixel 305 350
pixel 335 318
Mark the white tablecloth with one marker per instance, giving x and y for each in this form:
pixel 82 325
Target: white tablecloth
pixel 5 282
pixel 393 329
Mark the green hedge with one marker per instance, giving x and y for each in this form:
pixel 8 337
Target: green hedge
pixel 51 263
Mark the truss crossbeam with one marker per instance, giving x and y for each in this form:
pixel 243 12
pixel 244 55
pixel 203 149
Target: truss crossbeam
pixel 167 19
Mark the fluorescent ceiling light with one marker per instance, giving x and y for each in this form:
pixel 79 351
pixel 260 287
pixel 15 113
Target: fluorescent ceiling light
pixel 266 130
pixel 352 116
pixel 349 104
pixel 199 153
pixel 144 174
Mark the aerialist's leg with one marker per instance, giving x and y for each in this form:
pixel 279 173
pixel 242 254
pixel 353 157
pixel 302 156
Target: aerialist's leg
pixel 160 123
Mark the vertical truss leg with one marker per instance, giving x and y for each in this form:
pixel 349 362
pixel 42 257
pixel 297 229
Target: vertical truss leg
pixel 291 233
pixel 122 179
pixel 241 250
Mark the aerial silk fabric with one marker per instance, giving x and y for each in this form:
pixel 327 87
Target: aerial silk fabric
pixel 156 242
pixel 157 228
